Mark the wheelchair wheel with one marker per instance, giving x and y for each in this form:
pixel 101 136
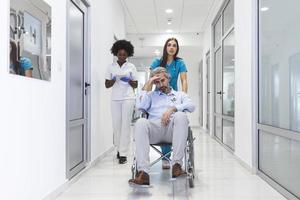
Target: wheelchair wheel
pixel 191 179
pixel 191 163
pixel 133 169
pixel 191 148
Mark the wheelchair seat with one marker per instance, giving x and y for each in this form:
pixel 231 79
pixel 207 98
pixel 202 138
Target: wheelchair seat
pixel 161 144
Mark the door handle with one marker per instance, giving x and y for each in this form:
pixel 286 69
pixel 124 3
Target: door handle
pixel 220 92
pixel 87 84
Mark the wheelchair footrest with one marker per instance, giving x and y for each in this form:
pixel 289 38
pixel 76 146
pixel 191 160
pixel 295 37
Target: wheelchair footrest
pixel 133 185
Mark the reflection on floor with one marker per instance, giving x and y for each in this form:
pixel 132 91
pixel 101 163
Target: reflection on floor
pixel 218 177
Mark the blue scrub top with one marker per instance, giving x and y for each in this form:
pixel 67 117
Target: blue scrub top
pixel 25 64
pixel 176 67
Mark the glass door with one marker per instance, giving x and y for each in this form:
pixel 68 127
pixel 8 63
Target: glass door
pixel 223 40
pixel 208 91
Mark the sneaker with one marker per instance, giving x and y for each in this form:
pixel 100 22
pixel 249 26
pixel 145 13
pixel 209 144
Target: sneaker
pixel 142 178
pixel 122 160
pixel 177 171
pixel 165 164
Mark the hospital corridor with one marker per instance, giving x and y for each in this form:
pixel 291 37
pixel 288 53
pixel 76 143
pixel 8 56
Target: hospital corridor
pixel 149 99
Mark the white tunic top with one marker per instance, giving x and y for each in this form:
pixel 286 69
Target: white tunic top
pixel 121 90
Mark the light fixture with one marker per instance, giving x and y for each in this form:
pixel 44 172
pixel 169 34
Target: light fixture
pixel 263 9
pixel 169 31
pixel 169 23
pixel 169 11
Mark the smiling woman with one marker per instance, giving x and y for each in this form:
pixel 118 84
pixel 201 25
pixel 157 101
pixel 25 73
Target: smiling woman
pixel 30 39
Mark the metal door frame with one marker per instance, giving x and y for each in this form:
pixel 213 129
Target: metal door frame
pixel 201 64
pixel 208 88
pixel 84 7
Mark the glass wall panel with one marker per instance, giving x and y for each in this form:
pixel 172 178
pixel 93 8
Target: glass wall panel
pixel 228 75
pixel 228 133
pixel 218 33
pixel 279 91
pixel 218 81
pixel 279 158
pixel 228 16
pixel 279 69
pixel 218 128
pixel 208 92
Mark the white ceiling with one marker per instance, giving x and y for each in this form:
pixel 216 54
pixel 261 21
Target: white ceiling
pixel 146 23
pixel 149 16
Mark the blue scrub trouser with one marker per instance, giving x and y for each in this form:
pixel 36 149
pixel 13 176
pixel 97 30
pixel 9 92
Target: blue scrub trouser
pixel 166 149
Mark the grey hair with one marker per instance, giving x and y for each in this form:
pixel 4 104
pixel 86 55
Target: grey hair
pixel 160 70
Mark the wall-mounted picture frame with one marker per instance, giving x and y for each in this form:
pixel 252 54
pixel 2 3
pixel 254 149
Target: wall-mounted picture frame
pixel 30 39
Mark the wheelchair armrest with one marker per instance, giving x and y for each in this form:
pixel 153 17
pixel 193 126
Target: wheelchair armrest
pixel 144 114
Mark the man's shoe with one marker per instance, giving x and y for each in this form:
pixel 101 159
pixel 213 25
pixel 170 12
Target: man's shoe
pixel 177 171
pixel 118 155
pixel 142 179
pixel 122 160
pixel 165 164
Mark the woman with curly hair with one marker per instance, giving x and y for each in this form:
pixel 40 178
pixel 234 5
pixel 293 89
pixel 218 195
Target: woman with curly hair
pixel 121 76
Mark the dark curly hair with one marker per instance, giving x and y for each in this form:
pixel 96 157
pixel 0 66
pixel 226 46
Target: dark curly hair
pixel 122 44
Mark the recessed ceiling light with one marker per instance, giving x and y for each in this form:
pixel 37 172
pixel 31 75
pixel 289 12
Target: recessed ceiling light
pixel 169 23
pixel 264 9
pixel 169 11
pixel 169 31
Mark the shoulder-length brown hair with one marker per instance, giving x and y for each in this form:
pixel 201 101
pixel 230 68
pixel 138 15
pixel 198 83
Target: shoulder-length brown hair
pixel 14 57
pixel 164 58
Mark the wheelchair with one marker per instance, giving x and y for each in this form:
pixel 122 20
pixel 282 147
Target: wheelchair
pixel 189 164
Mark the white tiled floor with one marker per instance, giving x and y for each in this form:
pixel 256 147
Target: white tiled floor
pixel 218 177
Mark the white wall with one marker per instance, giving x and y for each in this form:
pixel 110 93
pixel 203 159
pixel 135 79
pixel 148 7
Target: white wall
pixel 152 42
pixel 207 48
pixel 32 117
pixel 244 84
pixel 107 21
pixel 192 57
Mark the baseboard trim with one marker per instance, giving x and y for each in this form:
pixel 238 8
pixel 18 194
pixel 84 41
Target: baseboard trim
pixel 252 170
pixel 58 191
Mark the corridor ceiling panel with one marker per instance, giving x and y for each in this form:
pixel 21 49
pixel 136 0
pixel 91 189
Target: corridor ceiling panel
pixel 149 16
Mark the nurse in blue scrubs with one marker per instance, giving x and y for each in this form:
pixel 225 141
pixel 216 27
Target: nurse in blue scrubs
pixel 177 69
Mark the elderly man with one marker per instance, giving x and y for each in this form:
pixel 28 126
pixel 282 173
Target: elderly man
pixel 167 122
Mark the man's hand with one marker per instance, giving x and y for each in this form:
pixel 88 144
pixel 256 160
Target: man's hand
pixel 149 84
pixel 165 119
pixel 154 78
